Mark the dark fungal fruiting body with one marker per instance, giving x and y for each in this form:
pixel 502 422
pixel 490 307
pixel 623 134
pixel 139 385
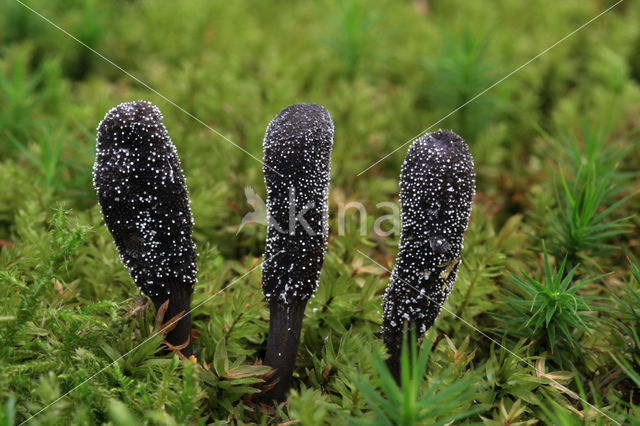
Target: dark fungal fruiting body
pixel 143 194
pixel 297 152
pixel 437 186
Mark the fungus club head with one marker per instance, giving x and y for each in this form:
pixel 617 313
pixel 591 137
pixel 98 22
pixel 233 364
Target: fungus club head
pixel 144 200
pixel 437 186
pixel 297 151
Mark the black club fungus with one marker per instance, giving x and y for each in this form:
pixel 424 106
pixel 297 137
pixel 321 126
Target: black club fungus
pixel 437 186
pixel 143 194
pixel 297 151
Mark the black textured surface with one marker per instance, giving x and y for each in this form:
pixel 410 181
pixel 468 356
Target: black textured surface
pixel 297 151
pixel 144 200
pixel 437 186
pixel 285 326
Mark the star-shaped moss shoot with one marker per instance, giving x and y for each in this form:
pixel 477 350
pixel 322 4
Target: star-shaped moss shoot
pixel 297 152
pixel 144 200
pixel 437 186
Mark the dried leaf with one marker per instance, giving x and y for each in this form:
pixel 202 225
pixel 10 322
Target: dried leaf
pixel 171 324
pixel 178 348
pixel 160 314
pixel 325 371
pixel 58 286
pixel 141 305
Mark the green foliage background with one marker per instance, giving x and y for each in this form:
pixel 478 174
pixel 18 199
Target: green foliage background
pixel 555 146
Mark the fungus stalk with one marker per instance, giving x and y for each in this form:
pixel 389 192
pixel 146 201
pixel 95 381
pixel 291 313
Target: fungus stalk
pixel 297 151
pixel 144 200
pixel 437 186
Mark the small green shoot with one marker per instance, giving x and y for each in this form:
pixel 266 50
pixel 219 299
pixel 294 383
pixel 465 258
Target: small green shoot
pixel 412 402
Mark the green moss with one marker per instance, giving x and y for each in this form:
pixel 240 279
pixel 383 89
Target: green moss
pixel 70 316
